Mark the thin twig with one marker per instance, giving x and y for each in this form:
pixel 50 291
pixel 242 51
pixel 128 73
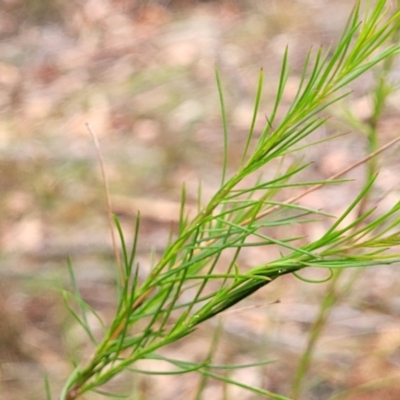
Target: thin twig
pixel 108 199
pixel 291 200
pixel 331 178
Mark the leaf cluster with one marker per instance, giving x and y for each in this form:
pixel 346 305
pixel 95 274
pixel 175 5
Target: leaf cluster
pixel 198 276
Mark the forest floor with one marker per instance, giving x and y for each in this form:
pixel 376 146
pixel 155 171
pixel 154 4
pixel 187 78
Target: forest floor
pixel 143 76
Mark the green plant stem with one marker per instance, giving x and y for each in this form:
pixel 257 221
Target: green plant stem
pixel 185 288
pixel 337 290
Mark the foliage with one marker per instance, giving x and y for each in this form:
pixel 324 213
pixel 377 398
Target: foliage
pixel 237 216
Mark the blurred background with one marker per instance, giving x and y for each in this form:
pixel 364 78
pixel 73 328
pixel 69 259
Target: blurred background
pixel 142 74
